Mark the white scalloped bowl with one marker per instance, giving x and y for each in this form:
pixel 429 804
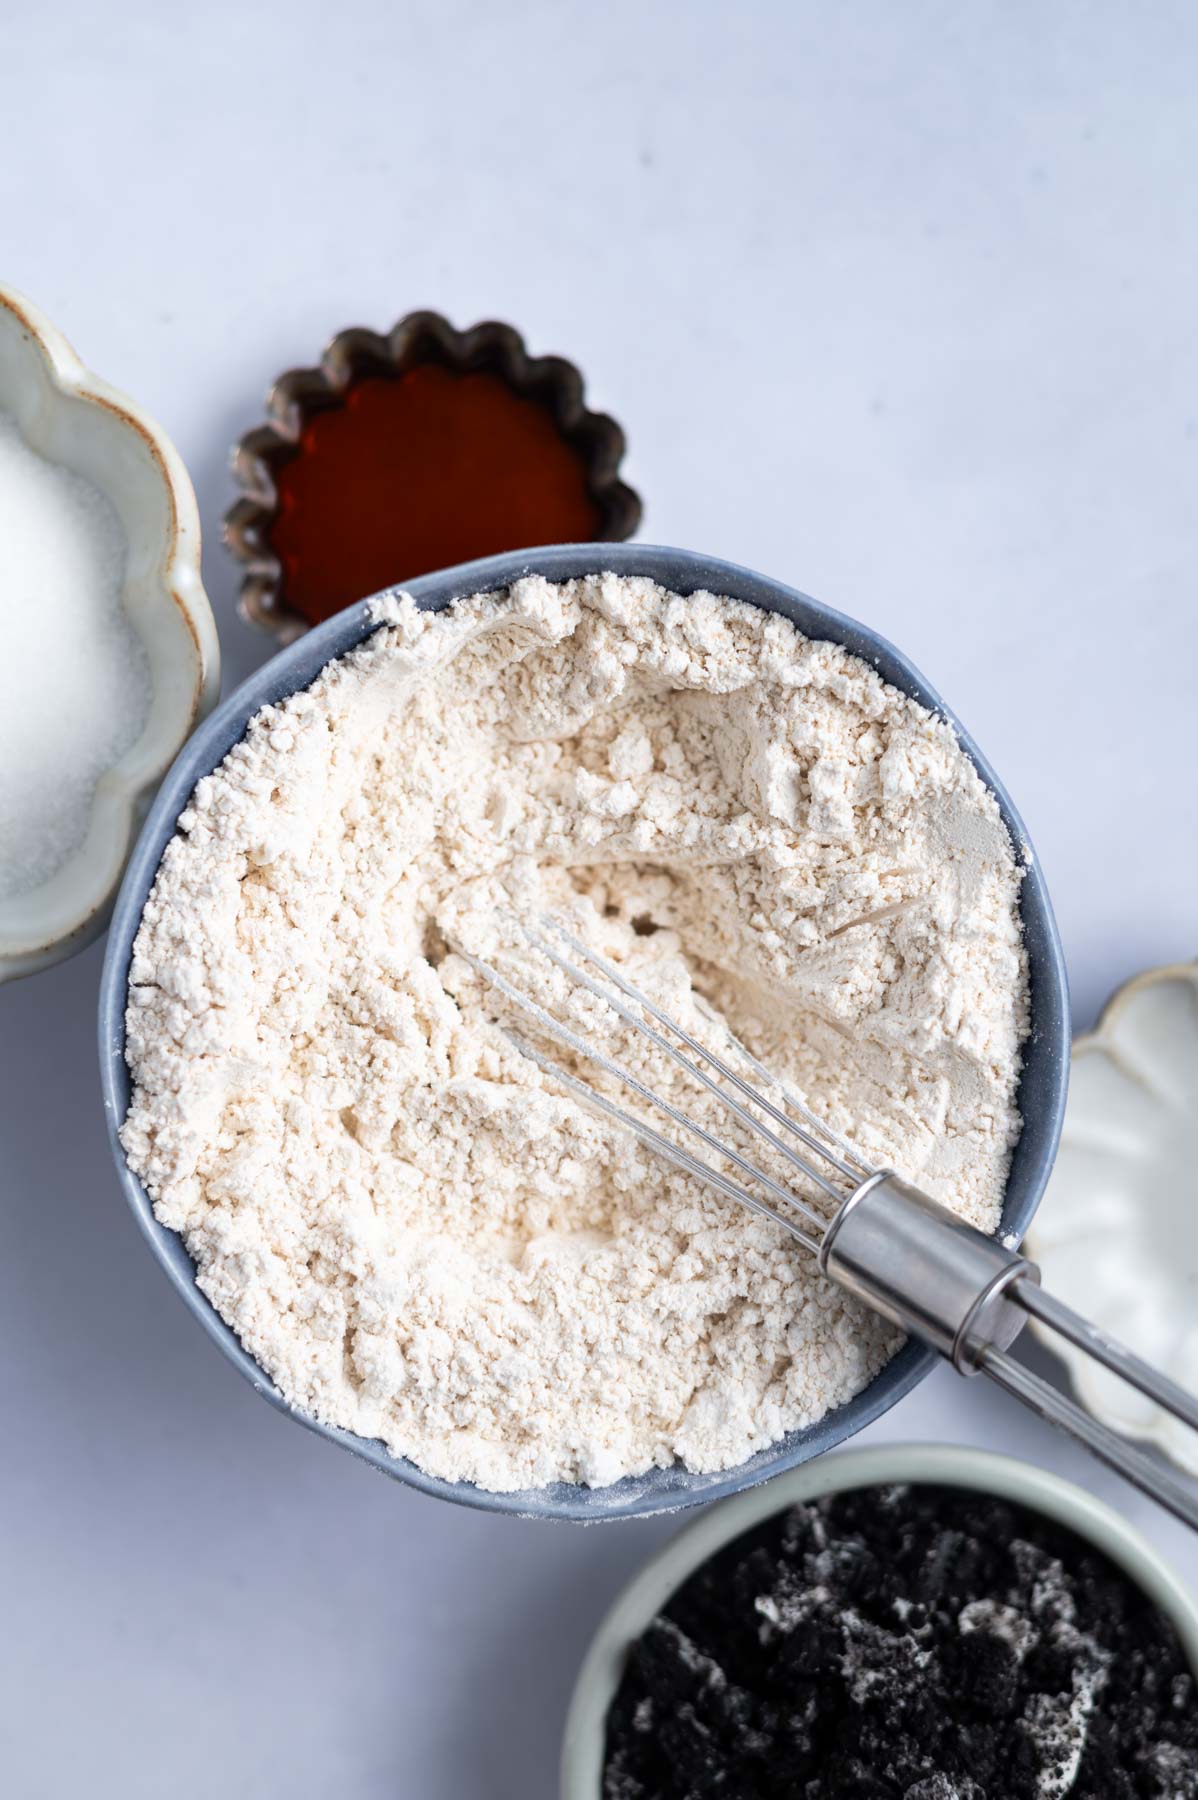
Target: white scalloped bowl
pixel 1116 1235
pixel 74 419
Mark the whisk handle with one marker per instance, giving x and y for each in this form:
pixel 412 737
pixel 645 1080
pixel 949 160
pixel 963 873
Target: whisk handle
pixel 968 1296
pixel 1104 1349
pixel 1151 1477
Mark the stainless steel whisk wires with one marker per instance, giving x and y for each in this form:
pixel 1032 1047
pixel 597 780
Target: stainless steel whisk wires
pixel 883 1240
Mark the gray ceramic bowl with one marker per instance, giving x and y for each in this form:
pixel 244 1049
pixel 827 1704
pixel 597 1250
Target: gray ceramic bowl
pixel 941 1465
pixel 1041 1095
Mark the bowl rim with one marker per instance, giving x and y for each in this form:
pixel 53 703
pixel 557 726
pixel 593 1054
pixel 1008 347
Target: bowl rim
pixel 295 667
pixel 181 584
pixel 1157 1427
pixel 920 1464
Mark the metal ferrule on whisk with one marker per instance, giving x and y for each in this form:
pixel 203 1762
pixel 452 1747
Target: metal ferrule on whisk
pixel 926 1270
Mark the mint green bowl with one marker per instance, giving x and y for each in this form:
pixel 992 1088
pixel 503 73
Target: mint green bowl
pixel 940 1465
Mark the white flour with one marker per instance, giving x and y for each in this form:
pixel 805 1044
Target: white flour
pixel 419 1236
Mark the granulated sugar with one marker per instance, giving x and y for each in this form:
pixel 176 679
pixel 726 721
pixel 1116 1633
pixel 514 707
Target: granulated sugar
pixel 74 681
pixel 419 1235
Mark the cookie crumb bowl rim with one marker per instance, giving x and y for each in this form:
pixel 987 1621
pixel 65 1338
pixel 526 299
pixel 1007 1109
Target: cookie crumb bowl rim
pixel 983 1472
pixel 1041 1095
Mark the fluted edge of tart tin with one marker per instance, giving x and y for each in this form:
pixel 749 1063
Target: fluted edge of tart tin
pixel 358 353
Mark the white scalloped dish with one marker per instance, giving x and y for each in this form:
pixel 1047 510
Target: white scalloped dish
pixel 1116 1234
pixel 78 422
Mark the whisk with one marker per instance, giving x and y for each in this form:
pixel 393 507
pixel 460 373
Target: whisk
pixel 883 1240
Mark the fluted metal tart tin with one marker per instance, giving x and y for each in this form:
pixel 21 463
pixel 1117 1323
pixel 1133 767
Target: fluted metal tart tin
pixel 359 354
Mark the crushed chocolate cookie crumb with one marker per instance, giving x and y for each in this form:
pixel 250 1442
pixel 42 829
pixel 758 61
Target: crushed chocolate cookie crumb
pixel 906 1643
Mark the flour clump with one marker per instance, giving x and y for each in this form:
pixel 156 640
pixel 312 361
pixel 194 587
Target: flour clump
pixel 417 1233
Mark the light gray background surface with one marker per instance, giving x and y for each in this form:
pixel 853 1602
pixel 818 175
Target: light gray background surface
pixel 895 302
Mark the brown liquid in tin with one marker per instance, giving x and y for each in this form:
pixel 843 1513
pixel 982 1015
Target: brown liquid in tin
pixel 418 472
